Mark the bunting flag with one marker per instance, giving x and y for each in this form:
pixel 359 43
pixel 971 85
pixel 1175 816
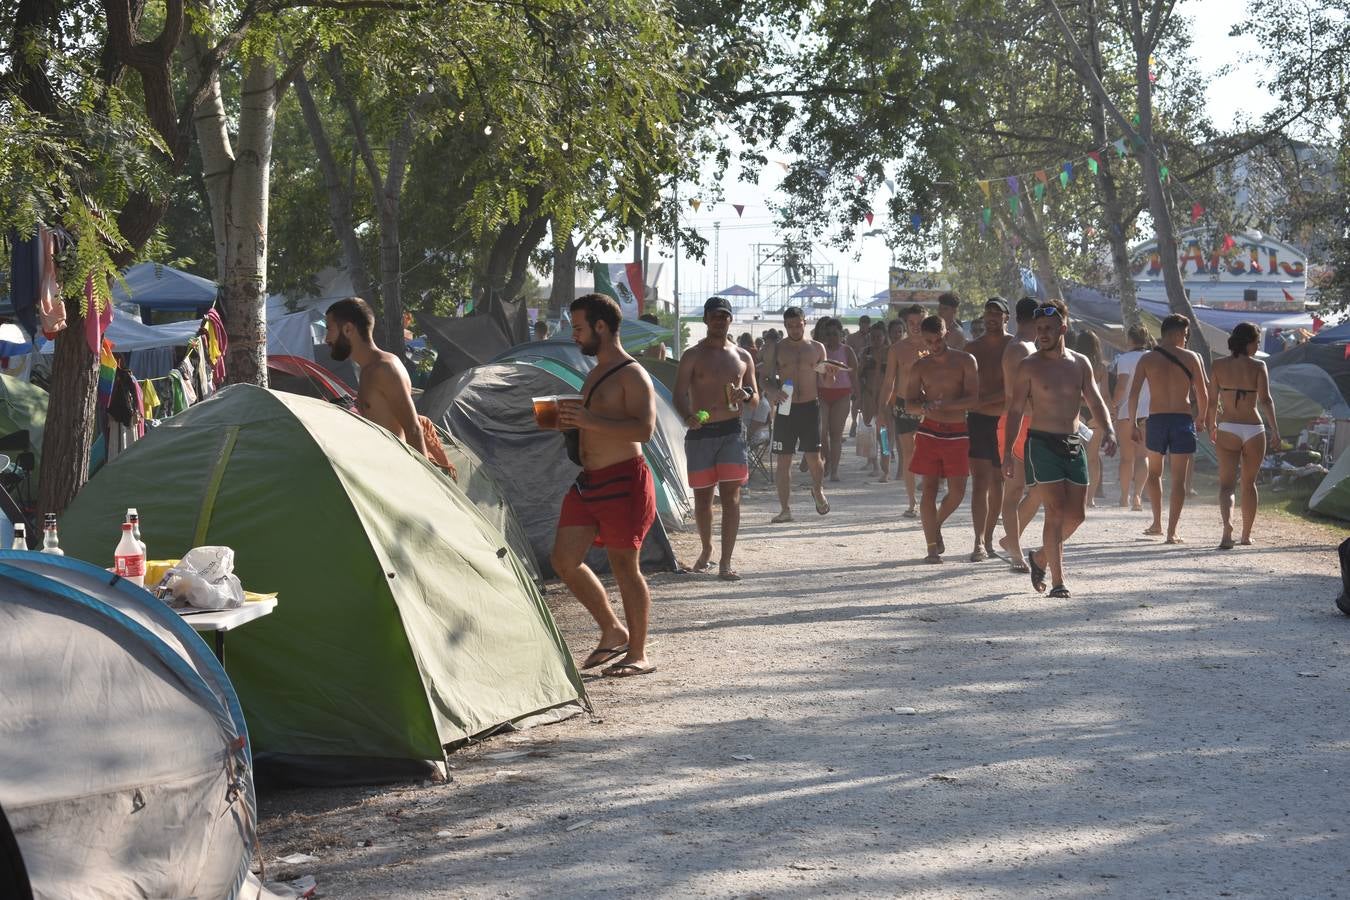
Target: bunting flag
pixel 1012 184
pixel 1288 297
pixel 916 220
pixel 1012 203
pixel 1041 177
pixel 890 186
pixel 695 204
pixel 1196 212
pixel 1119 144
pixel 1065 175
pixel 984 223
pixel 988 214
pixel 739 207
pixel 1039 191
pixel 1134 120
pixel 868 217
pixel 984 186
pixel 1094 160
pixel 1162 173
pixel 1228 243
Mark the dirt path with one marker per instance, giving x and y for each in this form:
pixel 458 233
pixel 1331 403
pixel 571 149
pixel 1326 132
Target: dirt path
pixel 1181 726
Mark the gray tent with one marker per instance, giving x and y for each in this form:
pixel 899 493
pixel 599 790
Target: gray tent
pixel 489 410
pixel 130 775
pixel 460 343
pixel 1314 382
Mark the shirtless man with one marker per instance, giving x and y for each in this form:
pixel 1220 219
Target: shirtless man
pixel 899 362
pixel 385 393
pixel 613 502
pixel 1019 504
pixel 948 306
pixel 1057 381
pixel 715 378
pixel 1173 374
pixel 983 421
pixel 944 385
pixel 1133 470
pixel 798 360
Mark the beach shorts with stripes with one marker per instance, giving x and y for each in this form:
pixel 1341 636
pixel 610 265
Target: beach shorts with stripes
pixel 941 449
pixel 717 453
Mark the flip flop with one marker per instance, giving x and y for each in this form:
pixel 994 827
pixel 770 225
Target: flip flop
pixel 910 513
pixel 822 505
pixel 627 670
pixel 1174 539
pixel 610 653
pixel 728 576
pixel 781 518
pixel 978 555
pixel 1060 592
pixel 1037 573
pixel 1150 532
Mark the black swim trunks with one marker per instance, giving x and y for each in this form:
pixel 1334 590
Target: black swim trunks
pixel 799 429
pixel 984 437
pixel 904 422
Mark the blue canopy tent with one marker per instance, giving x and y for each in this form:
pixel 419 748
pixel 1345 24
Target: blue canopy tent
pixel 157 288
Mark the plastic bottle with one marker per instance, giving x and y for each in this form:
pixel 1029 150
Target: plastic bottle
pixel 785 407
pixel 884 439
pixel 129 558
pixel 20 539
pixel 135 519
pixel 51 542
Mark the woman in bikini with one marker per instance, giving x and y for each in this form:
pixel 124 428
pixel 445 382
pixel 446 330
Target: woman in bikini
pixel 1239 384
pixel 836 399
pixel 871 373
pixel 1090 346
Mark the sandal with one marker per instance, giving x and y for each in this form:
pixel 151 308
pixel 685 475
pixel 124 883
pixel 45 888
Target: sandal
pixel 1060 592
pixel 1037 573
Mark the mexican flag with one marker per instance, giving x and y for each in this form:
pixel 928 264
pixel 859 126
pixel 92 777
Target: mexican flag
pixel 623 282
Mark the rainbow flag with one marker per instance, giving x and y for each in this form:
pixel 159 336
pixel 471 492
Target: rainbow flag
pixel 107 371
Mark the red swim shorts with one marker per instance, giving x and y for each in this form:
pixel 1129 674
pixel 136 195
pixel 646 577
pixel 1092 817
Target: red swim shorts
pixel 1020 445
pixel 619 501
pixel 941 449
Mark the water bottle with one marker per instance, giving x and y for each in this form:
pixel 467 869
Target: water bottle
pixel 884 439
pixel 785 408
pixel 135 519
pixel 20 539
pixel 51 542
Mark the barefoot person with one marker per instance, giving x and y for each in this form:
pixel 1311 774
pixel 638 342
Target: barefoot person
pixel 949 304
pixel 857 342
pixel 796 360
pixel 1133 469
pixel 1090 345
pixel 613 503
pixel 385 393
pixel 943 385
pixel 1173 375
pixel 871 372
pixel 1238 386
pixel 714 380
pixel 1056 381
pixel 1019 503
pixel 900 361
pixel 837 396
pixel 986 465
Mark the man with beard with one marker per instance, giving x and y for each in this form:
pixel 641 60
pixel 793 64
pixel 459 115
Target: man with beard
pixel 714 380
pixel 385 393
pixel 798 359
pixel 942 386
pixel 1058 383
pixel 613 502
pixel 986 465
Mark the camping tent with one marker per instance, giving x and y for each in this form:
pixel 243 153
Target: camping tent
pixel 130 773
pixel 460 343
pixel 23 407
pixel 1314 383
pixel 298 375
pixel 663 373
pixel 1332 497
pixel 159 288
pixel 1338 334
pixel 1329 358
pixel 405 623
pixel 489 410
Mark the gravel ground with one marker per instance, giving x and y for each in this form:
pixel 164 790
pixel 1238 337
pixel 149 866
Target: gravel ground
pixel 849 722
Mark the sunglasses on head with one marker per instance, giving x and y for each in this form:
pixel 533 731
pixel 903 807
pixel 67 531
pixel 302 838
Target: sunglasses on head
pixel 1046 312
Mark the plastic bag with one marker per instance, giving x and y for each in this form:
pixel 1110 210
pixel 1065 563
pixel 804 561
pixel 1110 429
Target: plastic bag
pixel 204 579
pixel 867 441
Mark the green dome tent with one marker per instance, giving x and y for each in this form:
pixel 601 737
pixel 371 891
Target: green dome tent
pixel 1332 497
pixel 405 624
pixel 23 407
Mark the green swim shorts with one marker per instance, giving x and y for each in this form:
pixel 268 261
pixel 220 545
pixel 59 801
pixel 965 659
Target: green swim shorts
pixel 1052 458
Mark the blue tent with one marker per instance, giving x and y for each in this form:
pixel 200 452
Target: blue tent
pixel 159 288
pixel 1337 335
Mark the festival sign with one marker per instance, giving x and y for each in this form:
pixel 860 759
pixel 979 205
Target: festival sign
pixel 1239 271
pixel 908 287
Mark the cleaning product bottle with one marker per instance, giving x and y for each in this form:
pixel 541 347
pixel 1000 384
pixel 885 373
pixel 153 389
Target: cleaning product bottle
pixel 129 558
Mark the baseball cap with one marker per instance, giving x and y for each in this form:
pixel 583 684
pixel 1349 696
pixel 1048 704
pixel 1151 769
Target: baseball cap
pixel 1026 309
pixel 716 304
pixel 999 304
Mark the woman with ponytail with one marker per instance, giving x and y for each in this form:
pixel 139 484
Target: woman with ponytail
pixel 1239 384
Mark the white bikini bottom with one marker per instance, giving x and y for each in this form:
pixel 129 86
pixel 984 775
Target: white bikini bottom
pixel 1242 431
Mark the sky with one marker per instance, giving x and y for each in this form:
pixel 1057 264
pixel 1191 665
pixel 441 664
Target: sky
pixel 863 267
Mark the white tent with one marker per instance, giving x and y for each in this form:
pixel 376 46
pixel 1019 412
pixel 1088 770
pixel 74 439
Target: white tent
pixel 124 769
pixel 128 334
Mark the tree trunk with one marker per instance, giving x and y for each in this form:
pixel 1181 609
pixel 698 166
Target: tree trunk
pixel 564 289
pixel 69 432
pixel 237 182
pixel 339 193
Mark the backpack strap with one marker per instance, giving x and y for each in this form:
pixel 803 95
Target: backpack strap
pixel 601 380
pixel 1176 362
